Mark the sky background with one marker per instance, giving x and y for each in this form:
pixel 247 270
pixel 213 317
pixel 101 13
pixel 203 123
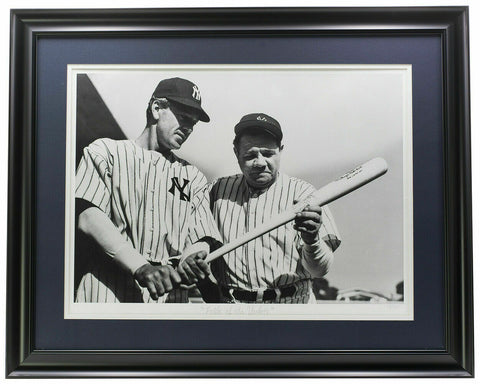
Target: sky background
pixel 333 118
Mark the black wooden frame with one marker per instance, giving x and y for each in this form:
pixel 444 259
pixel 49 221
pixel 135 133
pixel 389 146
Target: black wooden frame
pixel 451 23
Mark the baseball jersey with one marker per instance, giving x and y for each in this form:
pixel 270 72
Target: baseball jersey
pixel 272 260
pixel 158 202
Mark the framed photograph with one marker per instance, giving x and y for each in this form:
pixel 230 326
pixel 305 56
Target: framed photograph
pixel 186 185
pixel 379 96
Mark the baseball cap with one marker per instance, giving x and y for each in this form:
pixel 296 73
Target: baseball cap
pixel 183 92
pixel 260 121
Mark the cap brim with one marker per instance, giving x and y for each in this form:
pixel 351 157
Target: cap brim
pixel 202 115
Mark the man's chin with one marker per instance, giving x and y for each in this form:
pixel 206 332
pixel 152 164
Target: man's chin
pixel 262 182
pixel 176 145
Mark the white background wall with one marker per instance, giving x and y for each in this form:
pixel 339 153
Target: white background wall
pixel 4 25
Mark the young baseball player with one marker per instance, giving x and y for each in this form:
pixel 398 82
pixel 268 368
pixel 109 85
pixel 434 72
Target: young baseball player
pixel 147 210
pixel 279 266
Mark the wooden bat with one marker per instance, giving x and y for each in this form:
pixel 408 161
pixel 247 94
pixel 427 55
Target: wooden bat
pixel 349 182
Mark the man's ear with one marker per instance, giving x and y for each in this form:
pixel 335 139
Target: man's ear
pixel 281 148
pixel 155 109
pixel 235 150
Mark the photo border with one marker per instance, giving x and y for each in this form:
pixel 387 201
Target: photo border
pixel 449 23
pixel 329 310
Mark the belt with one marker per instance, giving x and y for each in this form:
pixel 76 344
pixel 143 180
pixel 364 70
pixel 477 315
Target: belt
pixel 263 295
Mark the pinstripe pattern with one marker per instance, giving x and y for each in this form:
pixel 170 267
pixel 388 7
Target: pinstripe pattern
pixel 135 188
pixel 272 260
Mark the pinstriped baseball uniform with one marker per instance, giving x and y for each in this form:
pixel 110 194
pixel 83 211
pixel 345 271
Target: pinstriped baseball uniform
pixel 158 202
pixel 272 260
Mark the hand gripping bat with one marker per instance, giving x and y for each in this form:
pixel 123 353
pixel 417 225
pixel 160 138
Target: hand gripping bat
pixel 349 182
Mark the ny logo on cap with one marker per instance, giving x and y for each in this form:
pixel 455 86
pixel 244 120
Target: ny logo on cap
pixel 196 93
pixel 261 118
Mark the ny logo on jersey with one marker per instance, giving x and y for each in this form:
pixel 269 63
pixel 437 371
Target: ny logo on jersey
pixel 196 93
pixel 176 185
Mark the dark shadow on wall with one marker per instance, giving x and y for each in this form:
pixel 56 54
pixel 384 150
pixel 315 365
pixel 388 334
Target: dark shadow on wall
pixel 94 120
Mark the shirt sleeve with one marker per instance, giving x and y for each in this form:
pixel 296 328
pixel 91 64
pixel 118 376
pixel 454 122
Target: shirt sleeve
pixel 203 226
pixel 94 178
pixel 318 257
pixel 328 230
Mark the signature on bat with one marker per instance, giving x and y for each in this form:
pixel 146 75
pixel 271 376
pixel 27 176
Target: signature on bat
pixel 352 173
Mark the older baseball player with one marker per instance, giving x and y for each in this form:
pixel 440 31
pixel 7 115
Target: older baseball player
pixel 279 266
pixel 146 209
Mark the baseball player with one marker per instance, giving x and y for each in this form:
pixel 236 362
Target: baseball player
pixel 279 266
pixel 146 209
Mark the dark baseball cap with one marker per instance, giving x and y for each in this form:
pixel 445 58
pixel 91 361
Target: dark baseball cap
pixel 183 92
pixel 259 121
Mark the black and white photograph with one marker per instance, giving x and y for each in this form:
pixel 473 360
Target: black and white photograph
pixel 239 192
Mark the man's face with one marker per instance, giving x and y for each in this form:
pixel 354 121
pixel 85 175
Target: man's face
pixel 258 156
pixel 174 125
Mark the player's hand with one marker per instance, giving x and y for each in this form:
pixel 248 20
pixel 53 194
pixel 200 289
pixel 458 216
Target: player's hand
pixel 308 223
pixel 193 268
pixel 157 279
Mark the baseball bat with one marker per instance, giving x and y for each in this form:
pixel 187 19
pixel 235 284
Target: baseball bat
pixel 347 183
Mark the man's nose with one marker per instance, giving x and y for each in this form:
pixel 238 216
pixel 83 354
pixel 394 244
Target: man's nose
pixel 259 162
